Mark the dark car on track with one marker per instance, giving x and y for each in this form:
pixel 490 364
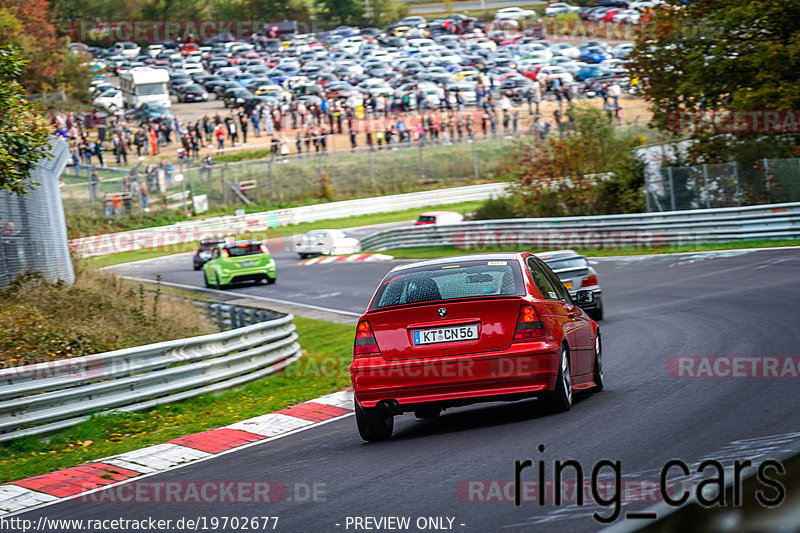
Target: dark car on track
pixel 204 252
pixel 576 274
pixel 459 330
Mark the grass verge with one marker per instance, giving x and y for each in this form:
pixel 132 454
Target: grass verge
pixel 321 370
pixel 283 231
pixel 47 321
pixel 431 252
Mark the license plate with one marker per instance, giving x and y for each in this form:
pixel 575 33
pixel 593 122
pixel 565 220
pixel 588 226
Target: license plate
pixel 247 263
pixel 449 334
pixel 568 284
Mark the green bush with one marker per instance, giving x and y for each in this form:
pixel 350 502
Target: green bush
pixel 495 208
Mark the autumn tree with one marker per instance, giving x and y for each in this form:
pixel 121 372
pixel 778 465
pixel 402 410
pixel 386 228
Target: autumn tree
pixel 721 56
pixel 591 170
pixel 24 132
pixel 342 11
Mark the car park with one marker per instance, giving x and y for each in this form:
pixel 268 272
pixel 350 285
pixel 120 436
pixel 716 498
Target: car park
pixel 424 59
pixel 235 261
pixel 485 312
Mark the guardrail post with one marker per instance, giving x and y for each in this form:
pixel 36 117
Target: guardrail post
pixel 474 158
pixel 222 184
pixel 421 165
pixel 736 183
pixel 271 183
pixel 371 169
pixel 671 188
pixel 183 188
pixel 705 185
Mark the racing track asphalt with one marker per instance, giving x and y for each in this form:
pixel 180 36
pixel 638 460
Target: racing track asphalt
pixel 736 304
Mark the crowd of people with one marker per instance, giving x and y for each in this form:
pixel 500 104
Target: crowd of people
pixel 301 127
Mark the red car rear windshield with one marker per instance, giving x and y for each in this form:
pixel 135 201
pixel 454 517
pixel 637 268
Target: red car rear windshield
pixel 466 279
pixel 246 249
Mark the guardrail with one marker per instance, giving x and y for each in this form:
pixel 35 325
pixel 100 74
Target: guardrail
pixel 641 230
pixel 45 397
pixel 192 231
pixel 229 316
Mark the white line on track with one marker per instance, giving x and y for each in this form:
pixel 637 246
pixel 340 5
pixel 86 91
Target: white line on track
pixel 241 295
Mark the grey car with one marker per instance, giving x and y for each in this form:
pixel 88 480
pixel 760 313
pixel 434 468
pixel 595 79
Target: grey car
pixel 576 274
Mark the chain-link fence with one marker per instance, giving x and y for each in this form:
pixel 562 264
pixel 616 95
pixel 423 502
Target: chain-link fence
pixel 33 233
pixel 731 184
pixel 284 180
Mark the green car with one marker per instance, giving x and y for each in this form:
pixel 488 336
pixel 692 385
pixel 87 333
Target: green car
pixel 233 261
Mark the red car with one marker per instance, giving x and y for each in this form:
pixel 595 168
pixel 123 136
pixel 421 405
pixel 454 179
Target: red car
pixel 475 328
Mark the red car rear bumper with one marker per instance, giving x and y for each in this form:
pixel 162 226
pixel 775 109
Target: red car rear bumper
pixel 522 368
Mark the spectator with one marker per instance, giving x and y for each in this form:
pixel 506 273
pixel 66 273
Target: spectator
pixel 614 91
pixel 144 194
pixel 76 162
pixel 153 141
pixel 219 131
pixel 108 205
pixel 98 151
pixel 94 180
pixel 116 200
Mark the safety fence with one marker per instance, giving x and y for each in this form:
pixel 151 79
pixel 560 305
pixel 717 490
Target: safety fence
pixel 45 397
pixel 33 235
pixel 195 230
pixel 639 231
pixel 278 180
pixel 765 181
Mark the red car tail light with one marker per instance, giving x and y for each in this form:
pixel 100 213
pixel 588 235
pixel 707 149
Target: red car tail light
pixel 588 281
pixel 529 325
pixel 365 340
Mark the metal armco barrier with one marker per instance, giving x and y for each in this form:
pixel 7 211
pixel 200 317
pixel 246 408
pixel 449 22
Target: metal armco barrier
pixel 641 230
pixel 46 397
pixel 234 316
pixel 192 231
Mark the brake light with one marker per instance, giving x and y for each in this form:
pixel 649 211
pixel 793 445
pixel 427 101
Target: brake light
pixel 365 340
pixel 529 325
pixel 588 281
pixel 225 254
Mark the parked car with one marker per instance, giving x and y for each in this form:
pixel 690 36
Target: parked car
pixel 514 13
pixel 204 252
pixel 576 274
pixel 192 93
pixel 234 261
pixel 559 7
pixel 325 242
pixel 152 112
pixel 110 100
pixel 236 97
pixel 507 318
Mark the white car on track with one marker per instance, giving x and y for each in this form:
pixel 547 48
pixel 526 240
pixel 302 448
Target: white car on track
pixel 325 242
